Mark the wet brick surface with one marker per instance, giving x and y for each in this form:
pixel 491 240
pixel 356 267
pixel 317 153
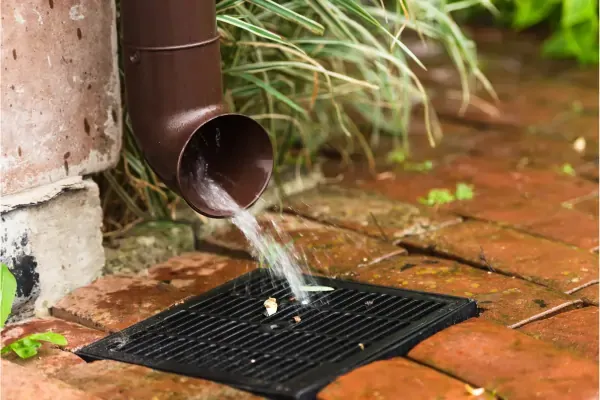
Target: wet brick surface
pixel 20 383
pixel 111 380
pixel 366 213
pixel 502 299
pixel 514 253
pixel 588 294
pixel 113 303
pixel 575 330
pixel 321 247
pixel 199 272
pixel 508 362
pixel 384 379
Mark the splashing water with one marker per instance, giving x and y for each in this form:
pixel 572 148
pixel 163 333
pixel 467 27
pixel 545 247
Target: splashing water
pixel 282 261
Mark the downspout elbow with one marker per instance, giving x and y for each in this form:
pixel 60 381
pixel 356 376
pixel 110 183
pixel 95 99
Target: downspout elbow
pixel 175 102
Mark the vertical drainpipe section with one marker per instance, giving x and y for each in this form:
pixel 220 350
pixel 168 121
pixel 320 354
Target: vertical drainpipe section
pixel 175 101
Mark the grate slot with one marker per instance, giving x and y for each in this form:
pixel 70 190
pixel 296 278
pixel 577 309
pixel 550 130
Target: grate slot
pixel 175 356
pixel 226 333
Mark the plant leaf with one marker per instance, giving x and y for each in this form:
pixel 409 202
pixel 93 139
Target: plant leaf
pixel 24 348
pixel 355 8
pixel 256 30
pixel 54 338
pixel 290 15
pixel 568 169
pixel 28 346
pixel 274 92
pixel 316 288
pixel 437 197
pixel 464 191
pixel 530 12
pixel 225 4
pixel 8 290
pixel 578 11
pixel 24 351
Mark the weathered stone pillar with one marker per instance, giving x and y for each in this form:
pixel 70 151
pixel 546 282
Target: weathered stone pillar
pixel 61 121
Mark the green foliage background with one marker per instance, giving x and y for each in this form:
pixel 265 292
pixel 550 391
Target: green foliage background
pixel 573 24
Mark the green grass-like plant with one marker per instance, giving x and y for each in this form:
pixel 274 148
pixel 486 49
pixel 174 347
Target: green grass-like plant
pixel 301 68
pixel 573 24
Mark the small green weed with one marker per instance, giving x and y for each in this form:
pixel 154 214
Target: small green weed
pixel 400 157
pixel 419 167
pixel 464 191
pixel 568 169
pixel 28 346
pixel 396 156
pixel 437 197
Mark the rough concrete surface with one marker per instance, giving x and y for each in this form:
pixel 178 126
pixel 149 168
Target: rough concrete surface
pixel 53 246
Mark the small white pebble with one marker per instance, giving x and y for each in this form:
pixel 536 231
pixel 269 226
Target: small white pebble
pixel 253 361
pixel 579 145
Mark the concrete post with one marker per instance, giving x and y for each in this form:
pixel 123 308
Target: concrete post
pixel 61 121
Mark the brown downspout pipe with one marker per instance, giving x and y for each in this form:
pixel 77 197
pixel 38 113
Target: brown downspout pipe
pixel 175 101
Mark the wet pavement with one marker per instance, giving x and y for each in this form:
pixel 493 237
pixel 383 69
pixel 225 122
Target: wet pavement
pixel 523 242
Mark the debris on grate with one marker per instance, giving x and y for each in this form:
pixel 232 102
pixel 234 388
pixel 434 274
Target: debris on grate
pixel 226 335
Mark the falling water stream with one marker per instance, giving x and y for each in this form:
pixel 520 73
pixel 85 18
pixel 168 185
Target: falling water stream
pixel 281 260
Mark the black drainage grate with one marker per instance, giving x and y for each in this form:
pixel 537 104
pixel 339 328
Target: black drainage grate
pixel 224 335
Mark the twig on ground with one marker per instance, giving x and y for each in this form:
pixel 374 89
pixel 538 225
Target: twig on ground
pixel 543 314
pixel 385 237
pixel 578 288
pixel 485 261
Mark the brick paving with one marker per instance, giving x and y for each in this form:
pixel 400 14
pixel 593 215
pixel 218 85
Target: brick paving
pixel 525 247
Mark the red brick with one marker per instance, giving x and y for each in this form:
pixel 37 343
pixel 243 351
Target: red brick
pixel 589 205
pixel 509 363
pixel 199 272
pixel 514 253
pixel 366 213
pixel 19 383
pixel 503 299
pixel 585 77
pixel 525 149
pixel 575 330
pixel 557 222
pixel 394 379
pixel 588 294
pixel 448 104
pixel 491 177
pixel 322 247
pixel 548 185
pixel 115 302
pixel 589 171
pixel 111 380
pixel 568 226
pixel 49 360
pixel 77 335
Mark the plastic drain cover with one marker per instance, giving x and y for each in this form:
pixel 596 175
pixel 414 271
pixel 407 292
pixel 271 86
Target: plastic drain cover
pixel 224 335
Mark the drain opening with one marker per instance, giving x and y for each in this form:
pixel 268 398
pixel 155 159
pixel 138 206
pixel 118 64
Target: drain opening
pixel 225 335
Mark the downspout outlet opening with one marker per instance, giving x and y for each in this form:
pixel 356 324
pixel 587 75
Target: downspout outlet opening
pixel 232 150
